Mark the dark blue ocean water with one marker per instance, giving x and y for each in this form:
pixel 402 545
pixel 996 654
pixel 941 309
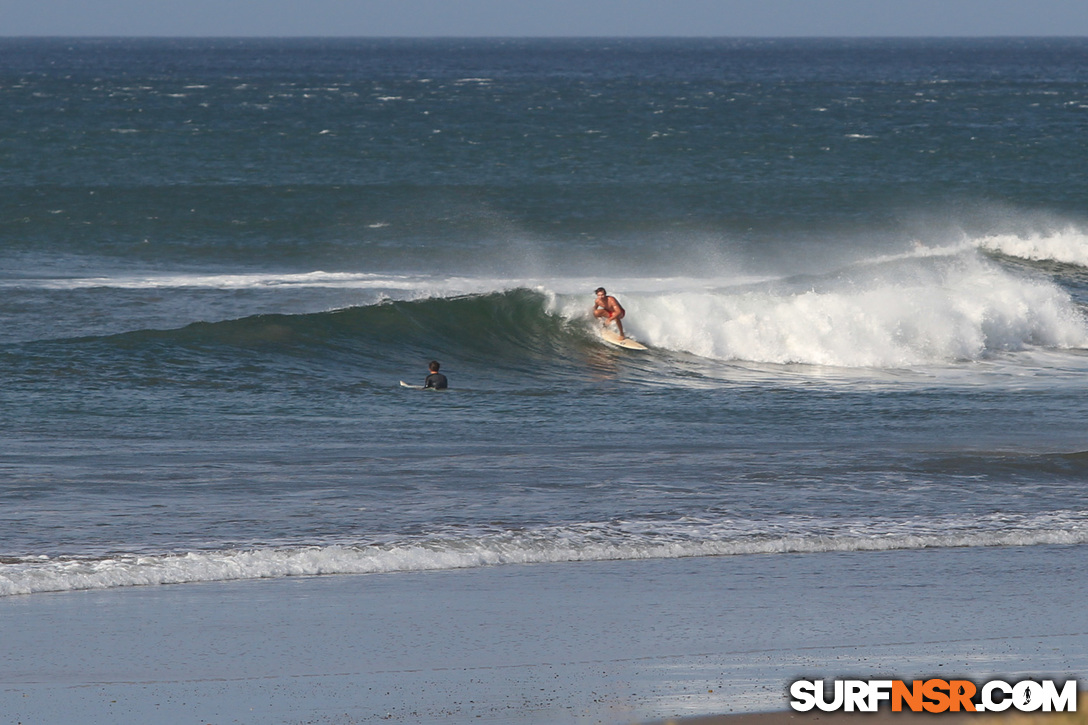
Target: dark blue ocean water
pixel 861 268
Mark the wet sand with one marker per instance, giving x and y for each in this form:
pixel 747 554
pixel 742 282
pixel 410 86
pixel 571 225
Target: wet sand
pixel 595 642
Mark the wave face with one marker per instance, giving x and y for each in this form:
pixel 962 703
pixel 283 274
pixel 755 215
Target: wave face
pixel 924 307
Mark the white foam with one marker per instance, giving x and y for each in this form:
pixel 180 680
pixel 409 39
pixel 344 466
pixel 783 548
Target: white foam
pixel 584 542
pixel 1068 245
pixel 438 286
pixel 213 281
pixel 925 308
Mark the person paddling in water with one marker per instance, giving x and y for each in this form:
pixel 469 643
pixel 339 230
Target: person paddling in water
pixel 608 307
pixel 436 379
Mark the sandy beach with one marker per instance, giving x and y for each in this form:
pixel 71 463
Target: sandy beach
pixel 604 642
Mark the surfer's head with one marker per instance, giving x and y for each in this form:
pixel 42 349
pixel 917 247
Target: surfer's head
pixel 433 366
pixel 600 291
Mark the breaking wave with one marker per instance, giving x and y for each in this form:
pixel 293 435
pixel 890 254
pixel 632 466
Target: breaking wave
pixel 567 543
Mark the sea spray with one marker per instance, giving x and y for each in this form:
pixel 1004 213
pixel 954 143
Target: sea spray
pixel 915 310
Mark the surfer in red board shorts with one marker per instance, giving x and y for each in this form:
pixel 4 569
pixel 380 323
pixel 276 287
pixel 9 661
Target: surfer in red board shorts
pixel 609 307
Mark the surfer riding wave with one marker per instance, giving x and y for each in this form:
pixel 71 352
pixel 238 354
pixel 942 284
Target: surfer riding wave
pixel 607 306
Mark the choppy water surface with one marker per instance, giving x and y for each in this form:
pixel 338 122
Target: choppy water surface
pixel 860 267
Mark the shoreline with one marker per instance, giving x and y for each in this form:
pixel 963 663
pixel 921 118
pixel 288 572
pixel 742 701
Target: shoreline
pixel 603 642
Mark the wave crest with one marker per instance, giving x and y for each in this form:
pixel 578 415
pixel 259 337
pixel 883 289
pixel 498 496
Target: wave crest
pixel 1066 246
pixel 932 307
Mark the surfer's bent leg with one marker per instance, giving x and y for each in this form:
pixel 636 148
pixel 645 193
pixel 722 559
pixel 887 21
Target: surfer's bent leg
pixel 619 325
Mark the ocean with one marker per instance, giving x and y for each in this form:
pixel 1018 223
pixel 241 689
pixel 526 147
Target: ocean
pixel 860 267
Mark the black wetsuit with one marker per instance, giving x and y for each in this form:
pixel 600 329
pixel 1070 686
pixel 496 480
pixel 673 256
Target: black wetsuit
pixel 437 381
